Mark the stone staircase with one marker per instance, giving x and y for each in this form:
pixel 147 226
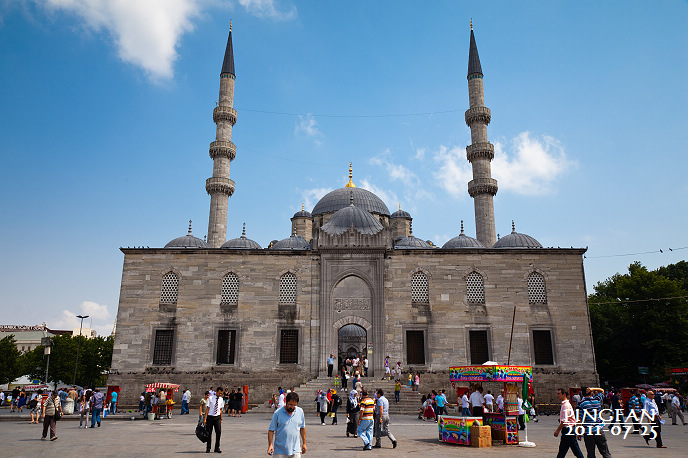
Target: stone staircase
pixel 409 401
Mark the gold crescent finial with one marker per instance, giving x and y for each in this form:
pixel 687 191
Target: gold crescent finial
pixel 350 184
pixel 230 25
pixel 302 206
pixel 399 206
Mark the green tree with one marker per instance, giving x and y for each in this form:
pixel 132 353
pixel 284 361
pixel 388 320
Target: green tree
pixel 635 323
pixel 10 360
pixel 95 357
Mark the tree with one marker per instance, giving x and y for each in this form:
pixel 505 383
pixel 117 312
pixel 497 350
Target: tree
pixel 10 360
pixel 95 357
pixel 640 319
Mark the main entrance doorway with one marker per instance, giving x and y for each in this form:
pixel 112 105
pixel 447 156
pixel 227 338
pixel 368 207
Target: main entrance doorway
pixel 352 341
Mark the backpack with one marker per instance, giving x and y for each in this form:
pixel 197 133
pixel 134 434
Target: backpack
pixel 337 400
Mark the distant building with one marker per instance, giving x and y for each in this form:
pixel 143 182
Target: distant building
pixel 29 337
pixel 350 278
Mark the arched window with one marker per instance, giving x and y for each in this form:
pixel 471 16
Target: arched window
pixel 170 288
pixel 419 289
pixel 475 288
pixel 537 292
pixel 287 293
pixel 230 289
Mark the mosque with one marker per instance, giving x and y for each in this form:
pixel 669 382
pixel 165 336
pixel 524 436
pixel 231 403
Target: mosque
pixel 351 278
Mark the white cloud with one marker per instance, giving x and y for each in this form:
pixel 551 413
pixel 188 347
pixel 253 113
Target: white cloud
pixel 147 32
pixel 454 171
pixel 308 126
pixel 532 167
pixel 395 170
pixel 267 9
pixel 386 196
pixel 312 196
pixel 98 318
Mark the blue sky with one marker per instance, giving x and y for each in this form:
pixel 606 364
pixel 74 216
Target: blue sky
pixel 106 117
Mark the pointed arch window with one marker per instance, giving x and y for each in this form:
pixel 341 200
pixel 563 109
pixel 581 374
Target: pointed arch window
pixel 537 290
pixel 420 293
pixel 475 288
pixel 230 289
pixel 170 288
pixel 287 293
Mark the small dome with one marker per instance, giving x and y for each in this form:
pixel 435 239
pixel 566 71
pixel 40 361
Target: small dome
pixel 411 242
pixel 361 220
pixel 241 243
pixel 187 241
pixel 352 330
pixel 302 214
pixel 516 240
pixel 401 214
pixel 463 241
pixel 295 242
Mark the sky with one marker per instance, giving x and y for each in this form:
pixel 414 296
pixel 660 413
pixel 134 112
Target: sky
pixel 106 117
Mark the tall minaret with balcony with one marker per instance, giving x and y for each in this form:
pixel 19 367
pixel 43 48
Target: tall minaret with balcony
pixel 222 151
pixel 482 188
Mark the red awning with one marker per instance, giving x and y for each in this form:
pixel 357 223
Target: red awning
pixel 152 387
pixel 35 387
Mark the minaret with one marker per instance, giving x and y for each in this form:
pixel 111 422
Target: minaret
pixel 222 151
pixel 480 152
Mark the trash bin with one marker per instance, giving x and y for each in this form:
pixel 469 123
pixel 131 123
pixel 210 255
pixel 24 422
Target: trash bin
pixel 68 406
pixel 151 416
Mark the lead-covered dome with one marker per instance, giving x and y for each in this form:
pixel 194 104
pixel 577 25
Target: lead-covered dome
pixel 411 242
pixel 295 242
pixel 401 214
pixel 352 216
pixel 462 241
pixel 302 214
pixel 241 243
pixel 187 241
pixel 339 198
pixel 516 240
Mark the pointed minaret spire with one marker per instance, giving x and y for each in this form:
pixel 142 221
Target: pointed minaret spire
pixel 222 151
pixel 482 188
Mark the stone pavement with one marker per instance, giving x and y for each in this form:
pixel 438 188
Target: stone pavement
pixel 247 436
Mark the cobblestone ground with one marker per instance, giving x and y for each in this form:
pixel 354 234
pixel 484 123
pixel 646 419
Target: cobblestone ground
pixel 247 436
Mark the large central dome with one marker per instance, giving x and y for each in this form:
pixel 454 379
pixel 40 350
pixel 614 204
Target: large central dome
pixel 341 198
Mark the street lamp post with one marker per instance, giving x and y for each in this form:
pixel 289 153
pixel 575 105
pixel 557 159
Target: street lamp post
pixel 78 346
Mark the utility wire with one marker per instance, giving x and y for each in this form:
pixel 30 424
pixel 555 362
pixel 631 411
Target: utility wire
pixel 622 301
pixel 635 254
pixel 389 115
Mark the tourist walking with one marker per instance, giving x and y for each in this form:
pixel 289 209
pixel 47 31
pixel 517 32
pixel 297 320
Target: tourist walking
pixel 202 407
pixel 213 419
pixel 652 410
pixel 388 372
pixel 590 406
pixel 51 408
pixel 675 405
pixel 186 397
pixel 567 423
pixel 113 402
pixel 382 408
pixel 365 420
pixel 397 390
pixel 352 411
pixel 322 406
pixel 334 405
pixel 35 406
pixel 287 430
pixel 238 402
pixel 97 401
pixel 634 408
pixel 84 408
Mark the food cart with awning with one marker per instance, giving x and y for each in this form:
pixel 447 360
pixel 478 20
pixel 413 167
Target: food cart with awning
pixel 163 409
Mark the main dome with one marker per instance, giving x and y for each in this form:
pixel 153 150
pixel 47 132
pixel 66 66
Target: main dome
pixel 341 198
pixel 361 220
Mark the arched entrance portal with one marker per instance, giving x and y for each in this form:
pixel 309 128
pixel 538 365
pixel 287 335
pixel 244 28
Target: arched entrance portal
pixel 352 341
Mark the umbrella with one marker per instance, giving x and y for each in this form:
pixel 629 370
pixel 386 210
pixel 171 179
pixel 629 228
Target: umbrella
pixel 644 386
pixel 664 385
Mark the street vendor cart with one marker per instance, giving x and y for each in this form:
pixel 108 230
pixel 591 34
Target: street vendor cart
pixel 164 407
pixel 500 426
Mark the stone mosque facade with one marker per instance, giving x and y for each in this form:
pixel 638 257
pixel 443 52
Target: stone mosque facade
pixel 351 278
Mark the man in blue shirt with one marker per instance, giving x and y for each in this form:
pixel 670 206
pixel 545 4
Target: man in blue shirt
pixel 589 415
pixel 288 423
pixel 330 365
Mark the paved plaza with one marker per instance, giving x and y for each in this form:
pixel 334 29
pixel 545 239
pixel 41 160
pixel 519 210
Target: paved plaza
pixel 247 436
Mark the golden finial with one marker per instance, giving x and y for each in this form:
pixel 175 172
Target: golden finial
pixel 230 25
pixel 302 209
pixel 350 184
pixel 399 206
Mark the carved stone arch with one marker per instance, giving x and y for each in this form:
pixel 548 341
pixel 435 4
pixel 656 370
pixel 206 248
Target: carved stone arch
pixel 170 269
pixel 533 270
pixel 421 270
pixel 475 269
pixel 353 319
pixel 231 270
pixel 355 273
pixel 294 272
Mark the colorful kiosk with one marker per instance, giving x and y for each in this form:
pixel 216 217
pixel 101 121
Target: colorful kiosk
pixel 503 425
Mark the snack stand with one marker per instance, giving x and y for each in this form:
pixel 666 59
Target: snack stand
pixel 165 409
pixel 502 426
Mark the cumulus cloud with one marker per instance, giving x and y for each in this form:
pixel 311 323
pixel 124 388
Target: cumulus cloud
pixel 99 318
pixel 453 172
pixel 533 165
pixel 267 9
pixel 308 126
pixel 396 171
pixel 525 165
pixel 146 33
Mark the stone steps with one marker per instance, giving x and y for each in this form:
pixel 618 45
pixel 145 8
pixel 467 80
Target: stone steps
pixel 409 400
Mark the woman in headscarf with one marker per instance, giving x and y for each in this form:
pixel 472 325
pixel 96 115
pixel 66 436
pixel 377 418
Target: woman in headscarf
pixel 322 402
pixel 352 409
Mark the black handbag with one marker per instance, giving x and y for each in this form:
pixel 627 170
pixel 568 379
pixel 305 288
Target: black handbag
pixel 202 433
pixel 58 414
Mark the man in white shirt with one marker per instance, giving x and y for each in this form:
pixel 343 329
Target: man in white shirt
pixel 488 401
pixel 676 406
pixel 521 414
pixel 500 403
pixel 477 402
pixel 567 422
pixel 365 366
pixel 281 400
pixel 465 407
pixel 186 397
pixel 213 419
